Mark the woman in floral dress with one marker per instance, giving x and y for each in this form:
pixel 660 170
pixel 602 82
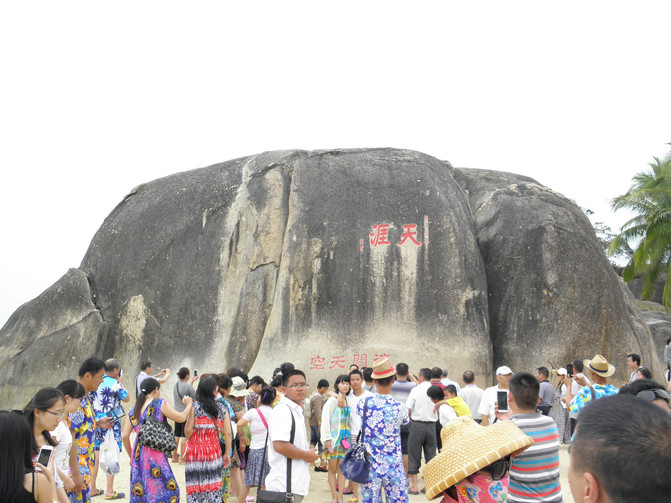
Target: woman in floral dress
pixel 151 478
pixel 204 459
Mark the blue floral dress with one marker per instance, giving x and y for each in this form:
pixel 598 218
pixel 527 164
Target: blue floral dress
pixel 151 478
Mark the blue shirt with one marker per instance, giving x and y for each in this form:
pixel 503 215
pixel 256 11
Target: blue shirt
pixel 382 431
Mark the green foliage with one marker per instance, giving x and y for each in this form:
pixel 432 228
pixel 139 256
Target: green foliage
pixel 649 197
pixel 605 236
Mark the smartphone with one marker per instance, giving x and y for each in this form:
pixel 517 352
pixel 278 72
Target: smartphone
pixel 195 372
pixel 502 400
pixel 121 373
pixel 45 455
pixel 116 414
pixel 345 444
pixel 569 369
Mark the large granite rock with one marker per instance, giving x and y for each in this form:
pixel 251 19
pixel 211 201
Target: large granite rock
pixel 327 258
pixel 659 323
pixel 47 338
pixel 636 287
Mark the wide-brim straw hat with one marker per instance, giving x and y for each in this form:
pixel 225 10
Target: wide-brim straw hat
pixel 383 368
pixel 469 447
pixel 600 366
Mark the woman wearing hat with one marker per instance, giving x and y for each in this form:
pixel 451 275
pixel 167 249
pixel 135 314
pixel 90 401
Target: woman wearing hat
pixel 473 465
pixel 599 370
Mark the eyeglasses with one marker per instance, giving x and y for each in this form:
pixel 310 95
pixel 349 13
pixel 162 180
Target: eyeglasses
pixel 57 414
pixel 499 468
pixel 298 386
pixel 653 394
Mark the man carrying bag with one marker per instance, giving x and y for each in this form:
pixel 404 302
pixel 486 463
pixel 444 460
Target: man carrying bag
pixel 288 452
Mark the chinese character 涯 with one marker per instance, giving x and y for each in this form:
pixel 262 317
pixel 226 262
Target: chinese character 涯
pixel 380 235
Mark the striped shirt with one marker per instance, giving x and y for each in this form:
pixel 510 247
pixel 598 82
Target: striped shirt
pixel 534 474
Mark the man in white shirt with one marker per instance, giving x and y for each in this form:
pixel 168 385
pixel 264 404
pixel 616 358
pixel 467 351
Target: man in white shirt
pixel 146 368
pixel 400 391
pixel 422 427
pixel 486 408
pixel 445 412
pixel 471 394
pixel 358 393
pixel 280 448
pixel 446 381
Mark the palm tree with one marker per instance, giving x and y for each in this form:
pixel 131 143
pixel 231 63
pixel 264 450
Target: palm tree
pixel 649 197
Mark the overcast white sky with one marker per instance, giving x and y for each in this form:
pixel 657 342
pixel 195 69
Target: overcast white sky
pixel 98 98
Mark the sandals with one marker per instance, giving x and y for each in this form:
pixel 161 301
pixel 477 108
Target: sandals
pixel 97 493
pixel 117 496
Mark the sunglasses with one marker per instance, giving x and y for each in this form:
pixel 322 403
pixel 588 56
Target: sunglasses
pixel 653 394
pixel 498 469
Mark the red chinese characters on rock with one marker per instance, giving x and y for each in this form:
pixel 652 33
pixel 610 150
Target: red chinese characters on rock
pixel 409 232
pixel 380 235
pixel 339 362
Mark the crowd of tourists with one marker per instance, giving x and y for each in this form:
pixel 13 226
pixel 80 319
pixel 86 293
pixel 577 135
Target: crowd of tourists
pixel 234 433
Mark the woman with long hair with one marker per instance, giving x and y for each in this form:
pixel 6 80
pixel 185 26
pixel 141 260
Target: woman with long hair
pixel 73 392
pixel 205 459
pixel 335 434
pixel 235 411
pixel 151 478
pixel 257 418
pixel 43 413
pixel 182 388
pixel 19 483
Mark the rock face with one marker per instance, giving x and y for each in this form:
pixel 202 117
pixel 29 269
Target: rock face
pixel 329 258
pixel 541 261
pixel 636 287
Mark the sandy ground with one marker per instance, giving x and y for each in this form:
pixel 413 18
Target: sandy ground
pixel 319 491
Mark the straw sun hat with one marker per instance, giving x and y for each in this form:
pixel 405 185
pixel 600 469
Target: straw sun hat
pixel 469 447
pixel 600 366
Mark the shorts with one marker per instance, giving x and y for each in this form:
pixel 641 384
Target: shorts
pixel 405 433
pixel 179 429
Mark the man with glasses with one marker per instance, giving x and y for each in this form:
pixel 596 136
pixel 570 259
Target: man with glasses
pixel 287 417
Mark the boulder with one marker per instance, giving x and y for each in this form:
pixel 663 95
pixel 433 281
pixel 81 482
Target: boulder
pixel 636 287
pixel 328 258
pixel 46 339
pixel 553 296
pixel 659 323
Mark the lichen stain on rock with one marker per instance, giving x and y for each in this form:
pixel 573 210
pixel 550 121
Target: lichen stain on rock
pixel 132 322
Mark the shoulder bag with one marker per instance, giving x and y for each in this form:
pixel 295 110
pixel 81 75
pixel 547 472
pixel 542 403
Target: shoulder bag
pixel 222 443
pixel 156 434
pixel 356 463
pixel 263 496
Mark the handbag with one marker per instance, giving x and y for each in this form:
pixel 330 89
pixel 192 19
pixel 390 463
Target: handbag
pixel 263 496
pixel 356 465
pixel 222 443
pixel 156 434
